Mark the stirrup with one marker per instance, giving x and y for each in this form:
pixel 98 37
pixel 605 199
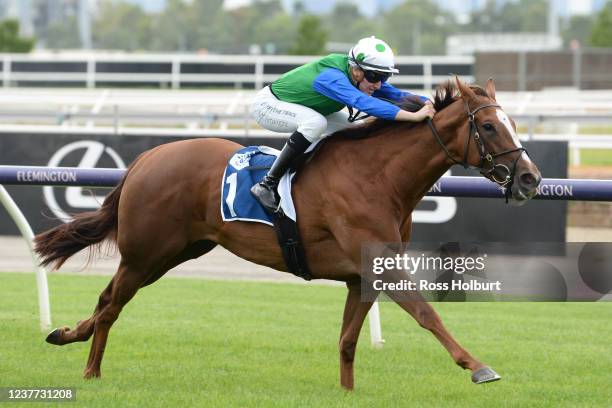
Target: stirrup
pixel 266 195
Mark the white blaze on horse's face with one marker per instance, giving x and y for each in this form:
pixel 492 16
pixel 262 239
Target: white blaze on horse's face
pixel 505 120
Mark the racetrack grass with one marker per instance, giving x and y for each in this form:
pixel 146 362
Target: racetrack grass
pixel 595 157
pixel 188 342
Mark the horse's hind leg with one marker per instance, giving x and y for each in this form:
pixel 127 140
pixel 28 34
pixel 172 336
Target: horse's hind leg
pixel 124 286
pixel 127 281
pixel 355 312
pixel 191 251
pixel 84 328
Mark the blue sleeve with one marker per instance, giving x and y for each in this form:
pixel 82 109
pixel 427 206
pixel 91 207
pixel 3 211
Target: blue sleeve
pixel 334 84
pixel 388 91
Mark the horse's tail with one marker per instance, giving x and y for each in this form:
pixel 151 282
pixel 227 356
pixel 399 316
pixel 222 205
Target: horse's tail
pixel 58 244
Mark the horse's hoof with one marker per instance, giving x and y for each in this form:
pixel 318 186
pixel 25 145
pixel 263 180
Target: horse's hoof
pixel 54 337
pixel 89 374
pixel 485 375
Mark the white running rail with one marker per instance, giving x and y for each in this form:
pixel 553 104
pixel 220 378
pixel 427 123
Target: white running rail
pixel 41 274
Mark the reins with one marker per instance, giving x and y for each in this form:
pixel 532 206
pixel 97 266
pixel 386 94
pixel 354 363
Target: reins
pixel 487 165
pixel 486 158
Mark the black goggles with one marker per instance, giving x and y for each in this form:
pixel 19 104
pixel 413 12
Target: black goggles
pixel 374 77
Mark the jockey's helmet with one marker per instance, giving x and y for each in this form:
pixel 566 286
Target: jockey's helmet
pixel 373 54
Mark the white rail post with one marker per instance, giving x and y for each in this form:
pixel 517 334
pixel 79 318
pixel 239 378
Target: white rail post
pixel 259 73
pixel 574 131
pixel 522 80
pixel 90 75
pixel 6 71
pixel 427 74
pixel 375 329
pixel 176 73
pixel 41 273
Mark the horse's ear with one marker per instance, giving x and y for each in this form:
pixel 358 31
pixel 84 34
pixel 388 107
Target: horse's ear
pixel 466 93
pixel 491 88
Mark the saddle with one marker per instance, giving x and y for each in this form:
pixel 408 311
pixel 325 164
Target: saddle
pixel 287 232
pixel 246 167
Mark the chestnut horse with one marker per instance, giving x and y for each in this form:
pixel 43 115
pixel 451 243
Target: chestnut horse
pixel 361 186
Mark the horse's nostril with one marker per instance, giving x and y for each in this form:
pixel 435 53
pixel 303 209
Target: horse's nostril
pixel 529 180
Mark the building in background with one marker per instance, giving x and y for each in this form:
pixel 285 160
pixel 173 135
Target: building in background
pixel 36 16
pixel 468 44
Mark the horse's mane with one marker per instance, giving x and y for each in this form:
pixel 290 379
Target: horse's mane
pixel 446 93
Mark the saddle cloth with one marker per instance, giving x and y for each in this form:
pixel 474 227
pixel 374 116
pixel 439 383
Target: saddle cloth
pixel 245 168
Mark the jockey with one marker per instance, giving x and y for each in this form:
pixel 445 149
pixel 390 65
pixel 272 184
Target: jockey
pixel 308 101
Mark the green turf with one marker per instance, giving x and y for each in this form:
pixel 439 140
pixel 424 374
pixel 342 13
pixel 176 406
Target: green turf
pixel 595 130
pixel 595 157
pixel 185 342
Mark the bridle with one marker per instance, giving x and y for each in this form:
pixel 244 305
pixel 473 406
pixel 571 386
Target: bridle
pixel 486 158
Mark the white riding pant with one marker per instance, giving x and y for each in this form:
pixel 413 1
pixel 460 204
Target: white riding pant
pixel 286 117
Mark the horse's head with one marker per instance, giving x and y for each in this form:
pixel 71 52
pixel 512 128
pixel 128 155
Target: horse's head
pixel 492 145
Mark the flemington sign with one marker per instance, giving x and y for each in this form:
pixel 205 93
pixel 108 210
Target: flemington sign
pixel 448 186
pixel 44 176
pixel 549 189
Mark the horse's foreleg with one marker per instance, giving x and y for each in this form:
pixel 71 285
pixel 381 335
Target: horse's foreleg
pixel 125 285
pixel 355 312
pixel 414 303
pixel 427 318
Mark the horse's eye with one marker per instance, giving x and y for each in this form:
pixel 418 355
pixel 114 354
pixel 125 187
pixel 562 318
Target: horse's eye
pixel 488 127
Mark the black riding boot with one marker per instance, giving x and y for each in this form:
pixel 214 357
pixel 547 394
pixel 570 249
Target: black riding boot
pixel 265 191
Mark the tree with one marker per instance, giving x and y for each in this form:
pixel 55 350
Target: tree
pixel 577 28
pixel 345 24
pixel 203 21
pixel 521 16
pixel 174 29
pixel 417 27
pixel 601 36
pixel 311 37
pixel 524 16
pixel 278 30
pixel 10 40
pixel 63 34
pixel 262 22
pixel 122 26
pixel 483 20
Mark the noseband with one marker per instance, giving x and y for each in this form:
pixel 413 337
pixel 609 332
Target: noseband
pixel 486 158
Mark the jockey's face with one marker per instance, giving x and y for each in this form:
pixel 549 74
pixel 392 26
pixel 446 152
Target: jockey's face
pixel 368 87
pixel 364 85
